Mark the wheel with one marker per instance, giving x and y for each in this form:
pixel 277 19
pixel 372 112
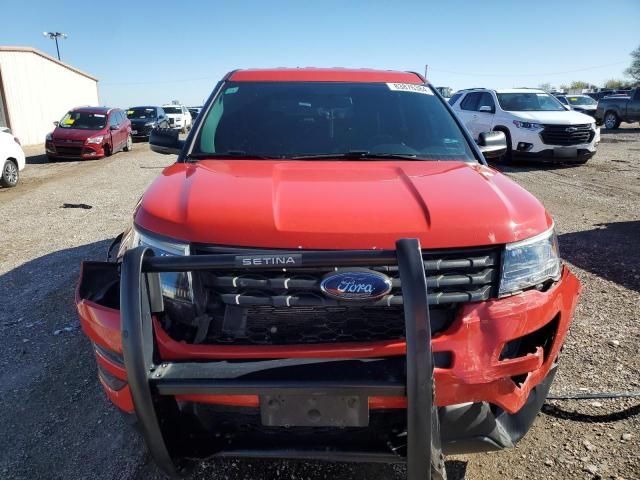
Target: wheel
pixel 107 151
pixel 611 121
pixel 10 174
pixel 129 145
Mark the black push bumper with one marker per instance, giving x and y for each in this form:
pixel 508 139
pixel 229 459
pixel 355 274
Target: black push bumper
pixel 153 383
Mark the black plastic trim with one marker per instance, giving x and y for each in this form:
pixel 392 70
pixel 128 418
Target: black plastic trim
pixel 419 366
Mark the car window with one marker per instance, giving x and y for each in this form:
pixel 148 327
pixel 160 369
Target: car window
pixel 562 100
pixel 141 112
pixel 83 121
pixel 113 120
pixel 454 98
pixel 529 102
pixel 160 112
pixel 289 119
pixel 636 96
pixel 486 100
pixel 171 109
pixel 581 100
pixel 470 102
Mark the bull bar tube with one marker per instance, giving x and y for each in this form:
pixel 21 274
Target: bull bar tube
pixel 150 378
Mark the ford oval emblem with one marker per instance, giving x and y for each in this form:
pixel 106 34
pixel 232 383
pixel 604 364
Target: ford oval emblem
pixel 356 285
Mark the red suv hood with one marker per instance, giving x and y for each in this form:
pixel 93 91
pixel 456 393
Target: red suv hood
pixel 339 205
pixel 73 134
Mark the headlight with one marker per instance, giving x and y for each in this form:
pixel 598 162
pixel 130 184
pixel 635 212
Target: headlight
pixel 97 139
pixel 175 285
pixel 49 137
pixel 527 125
pixel 530 262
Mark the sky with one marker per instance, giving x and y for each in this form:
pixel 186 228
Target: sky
pixel 154 52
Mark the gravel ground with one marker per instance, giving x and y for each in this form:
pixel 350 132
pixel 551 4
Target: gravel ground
pixel 56 422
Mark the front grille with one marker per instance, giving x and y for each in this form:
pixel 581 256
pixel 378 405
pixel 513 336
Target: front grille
pixel 278 307
pixel 567 134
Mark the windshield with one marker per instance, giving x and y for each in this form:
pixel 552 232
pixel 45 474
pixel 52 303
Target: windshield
pixel 83 121
pixel 292 119
pixel 581 100
pixel 169 109
pixel 529 102
pixel 141 112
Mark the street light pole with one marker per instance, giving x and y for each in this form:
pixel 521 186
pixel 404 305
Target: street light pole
pixel 55 36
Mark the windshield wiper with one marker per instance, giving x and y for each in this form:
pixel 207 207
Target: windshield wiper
pixel 358 155
pixel 238 154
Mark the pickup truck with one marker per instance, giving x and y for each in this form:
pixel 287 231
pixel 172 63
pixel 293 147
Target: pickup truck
pixel 611 111
pixel 329 270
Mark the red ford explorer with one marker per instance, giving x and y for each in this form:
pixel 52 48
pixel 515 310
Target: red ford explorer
pixel 330 270
pixel 89 132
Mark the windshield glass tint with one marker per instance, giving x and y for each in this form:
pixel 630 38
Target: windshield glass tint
pixel 581 101
pixel 141 113
pixel 83 121
pixel 172 109
pixel 529 102
pixel 288 119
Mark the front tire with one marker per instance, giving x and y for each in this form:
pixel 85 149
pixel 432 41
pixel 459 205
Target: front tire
pixel 129 145
pixel 611 121
pixel 10 174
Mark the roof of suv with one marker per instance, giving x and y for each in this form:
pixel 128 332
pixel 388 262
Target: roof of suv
pixel 324 75
pixel 502 90
pixel 92 109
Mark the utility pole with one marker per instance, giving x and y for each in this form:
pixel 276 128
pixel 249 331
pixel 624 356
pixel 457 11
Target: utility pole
pixel 426 68
pixel 55 36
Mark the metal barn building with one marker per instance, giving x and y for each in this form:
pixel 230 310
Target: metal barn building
pixel 36 90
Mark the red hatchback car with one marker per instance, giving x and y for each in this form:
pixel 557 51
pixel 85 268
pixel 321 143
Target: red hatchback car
pixel 89 132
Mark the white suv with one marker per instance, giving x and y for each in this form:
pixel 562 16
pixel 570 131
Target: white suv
pixel 11 158
pixel 536 124
pixel 179 117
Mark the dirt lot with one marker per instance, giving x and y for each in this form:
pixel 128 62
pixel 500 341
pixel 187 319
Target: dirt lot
pixel 56 422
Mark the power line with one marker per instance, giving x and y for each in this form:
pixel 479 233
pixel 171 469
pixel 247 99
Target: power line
pixel 528 74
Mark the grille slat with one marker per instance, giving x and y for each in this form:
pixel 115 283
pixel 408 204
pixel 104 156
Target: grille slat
pixel 282 307
pixel 559 134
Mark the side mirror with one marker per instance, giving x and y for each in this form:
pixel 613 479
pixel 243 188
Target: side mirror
pixel 56 123
pixel 492 144
pixel 114 127
pixel 165 141
pixel 486 108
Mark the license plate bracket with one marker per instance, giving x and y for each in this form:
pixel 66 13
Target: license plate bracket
pixel 565 152
pixel 314 411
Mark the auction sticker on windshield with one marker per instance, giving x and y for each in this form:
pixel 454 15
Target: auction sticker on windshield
pixel 409 87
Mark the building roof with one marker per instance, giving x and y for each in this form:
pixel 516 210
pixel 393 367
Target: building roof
pixel 48 57
pixel 324 75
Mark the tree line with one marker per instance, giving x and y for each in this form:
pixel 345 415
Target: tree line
pixel 633 72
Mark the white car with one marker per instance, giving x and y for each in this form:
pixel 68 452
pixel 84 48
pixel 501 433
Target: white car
pixel 536 124
pixel 179 117
pixel 11 158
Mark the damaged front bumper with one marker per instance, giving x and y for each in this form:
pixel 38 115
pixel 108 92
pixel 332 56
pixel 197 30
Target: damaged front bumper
pixel 501 362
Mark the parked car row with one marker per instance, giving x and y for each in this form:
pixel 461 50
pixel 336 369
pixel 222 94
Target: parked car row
pixel 536 124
